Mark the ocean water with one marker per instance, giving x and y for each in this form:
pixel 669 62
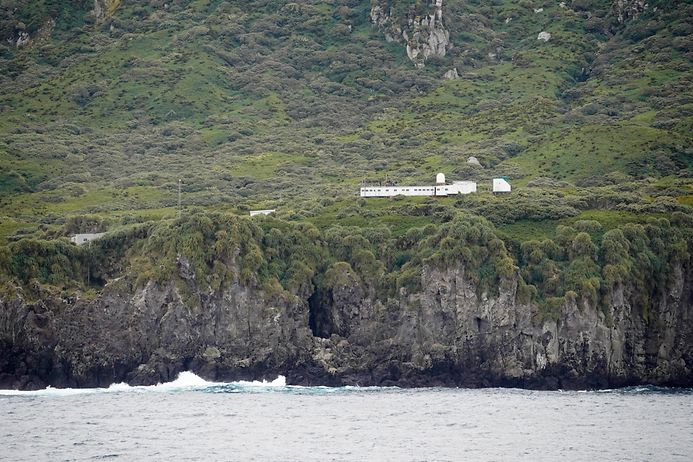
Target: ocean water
pixel 194 420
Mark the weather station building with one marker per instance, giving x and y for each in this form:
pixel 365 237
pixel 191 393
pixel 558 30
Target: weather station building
pixel 441 188
pixel 501 185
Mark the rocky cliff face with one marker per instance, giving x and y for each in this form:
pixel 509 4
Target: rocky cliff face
pixel 149 336
pixel 447 334
pixel 422 31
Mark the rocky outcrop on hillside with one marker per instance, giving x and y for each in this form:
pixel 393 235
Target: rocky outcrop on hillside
pixel 20 28
pixel 448 334
pixel 625 10
pixel 421 30
pixel 21 37
pixel 104 8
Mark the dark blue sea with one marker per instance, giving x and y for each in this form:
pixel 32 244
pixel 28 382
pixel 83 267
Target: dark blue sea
pixel 194 420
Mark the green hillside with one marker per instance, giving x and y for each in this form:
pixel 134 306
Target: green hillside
pixel 274 104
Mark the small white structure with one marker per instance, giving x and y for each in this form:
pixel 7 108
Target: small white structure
pixel 261 212
pixel 544 36
pixel 501 185
pixel 440 189
pixel 80 239
pixel 465 187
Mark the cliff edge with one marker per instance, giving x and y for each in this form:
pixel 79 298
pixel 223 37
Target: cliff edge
pixel 447 334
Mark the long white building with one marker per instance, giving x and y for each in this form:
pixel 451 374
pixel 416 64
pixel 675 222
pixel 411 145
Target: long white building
pixel 440 189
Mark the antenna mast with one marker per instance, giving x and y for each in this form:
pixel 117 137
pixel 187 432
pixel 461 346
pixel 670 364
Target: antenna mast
pixel 179 190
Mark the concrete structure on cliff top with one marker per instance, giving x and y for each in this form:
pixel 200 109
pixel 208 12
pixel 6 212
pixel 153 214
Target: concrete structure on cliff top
pixel 80 239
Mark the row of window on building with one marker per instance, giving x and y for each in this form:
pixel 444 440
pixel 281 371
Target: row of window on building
pixel 500 185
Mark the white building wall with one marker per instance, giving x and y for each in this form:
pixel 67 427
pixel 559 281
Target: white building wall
pixel 460 187
pixel 500 185
pixel 465 187
pixel 80 239
pixel 391 191
pixel 261 212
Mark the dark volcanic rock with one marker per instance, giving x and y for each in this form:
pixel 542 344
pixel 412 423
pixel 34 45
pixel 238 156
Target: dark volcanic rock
pixel 447 335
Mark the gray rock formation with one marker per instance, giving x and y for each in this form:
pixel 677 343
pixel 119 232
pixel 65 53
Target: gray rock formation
pixel 449 333
pixel 23 38
pixel 422 32
pixel 451 74
pixel 104 8
pixel 625 10
pixel 473 161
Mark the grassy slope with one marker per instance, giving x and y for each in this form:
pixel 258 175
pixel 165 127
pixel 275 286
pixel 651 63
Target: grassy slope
pixel 274 104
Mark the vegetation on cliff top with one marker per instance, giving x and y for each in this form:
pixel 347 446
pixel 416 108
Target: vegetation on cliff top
pixel 276 104
pixel 206 253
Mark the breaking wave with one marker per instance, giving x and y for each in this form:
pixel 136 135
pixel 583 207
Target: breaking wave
pixel 649 390
pixel 189 382
pixel 186 381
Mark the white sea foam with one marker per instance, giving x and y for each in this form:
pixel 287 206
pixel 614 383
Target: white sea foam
pixel 186 381
pixel 49 391
pixel 280 381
